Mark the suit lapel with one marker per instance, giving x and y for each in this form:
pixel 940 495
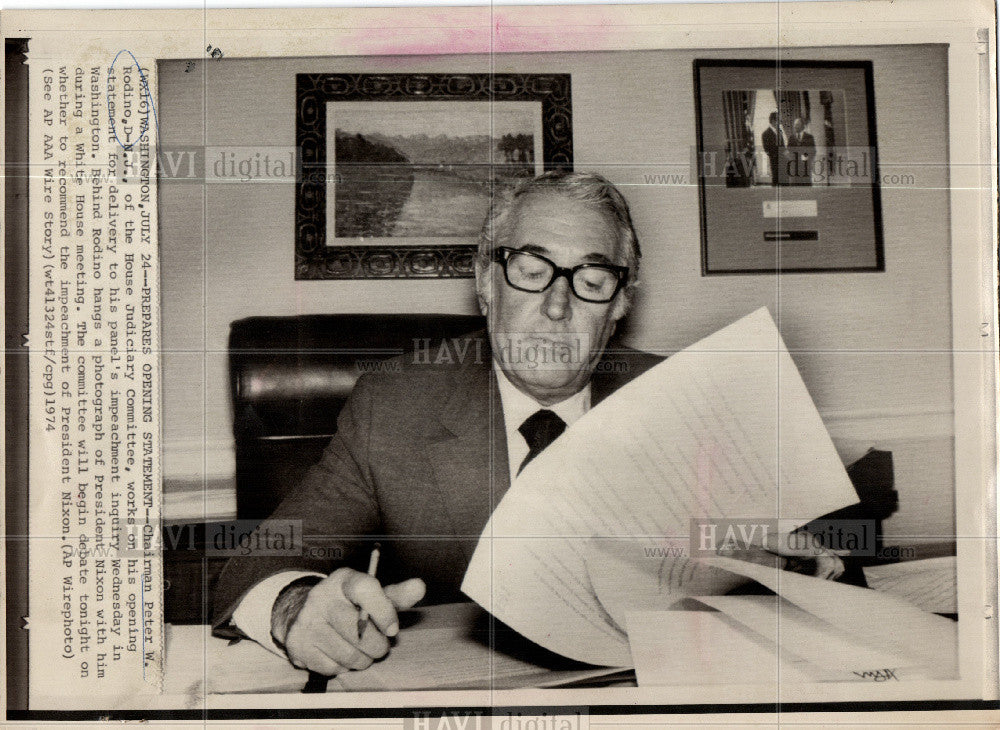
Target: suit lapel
pixel 467 444
pixel 605 381
pixel 619 365
pixel 469 452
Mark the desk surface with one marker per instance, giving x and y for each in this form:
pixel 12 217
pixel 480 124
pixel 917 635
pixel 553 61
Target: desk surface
pixel 451 646
pixel 459 646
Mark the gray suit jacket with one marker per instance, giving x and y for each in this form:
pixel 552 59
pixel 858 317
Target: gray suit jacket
pixel 418 462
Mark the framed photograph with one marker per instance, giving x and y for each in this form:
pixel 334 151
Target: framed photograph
pixel 397 169
pixel 787 162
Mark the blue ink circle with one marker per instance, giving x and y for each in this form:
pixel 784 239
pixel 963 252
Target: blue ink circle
pixel 144 127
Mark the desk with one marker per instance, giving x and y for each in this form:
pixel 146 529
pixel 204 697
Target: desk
pixel 448 647
pixel 438 647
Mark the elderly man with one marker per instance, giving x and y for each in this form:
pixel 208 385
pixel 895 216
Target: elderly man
pixel 422 455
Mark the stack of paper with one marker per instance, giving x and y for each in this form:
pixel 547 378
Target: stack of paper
pixel 723 429
pixel 928 584
pixel 597 527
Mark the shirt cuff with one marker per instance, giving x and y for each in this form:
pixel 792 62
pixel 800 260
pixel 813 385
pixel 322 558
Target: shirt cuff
pixel 253 614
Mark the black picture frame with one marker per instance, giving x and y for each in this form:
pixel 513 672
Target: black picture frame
pixel 812 205
pixel 388 258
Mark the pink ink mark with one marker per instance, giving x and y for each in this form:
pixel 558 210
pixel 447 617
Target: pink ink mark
pixel 534 29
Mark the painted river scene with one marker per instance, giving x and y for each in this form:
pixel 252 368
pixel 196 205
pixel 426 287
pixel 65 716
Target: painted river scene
pixel 426 172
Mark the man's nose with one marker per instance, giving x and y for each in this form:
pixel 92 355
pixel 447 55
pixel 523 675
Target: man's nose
pixel 557 304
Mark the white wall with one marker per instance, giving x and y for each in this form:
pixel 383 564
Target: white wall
pixel 873 348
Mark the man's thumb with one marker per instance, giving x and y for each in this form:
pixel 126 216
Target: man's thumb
pixel 404 595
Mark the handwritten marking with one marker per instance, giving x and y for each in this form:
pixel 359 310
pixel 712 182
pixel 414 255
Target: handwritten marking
pixel 145 92
pixel 878 675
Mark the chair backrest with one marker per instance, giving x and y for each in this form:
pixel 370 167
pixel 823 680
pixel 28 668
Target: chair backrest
pixel 290 376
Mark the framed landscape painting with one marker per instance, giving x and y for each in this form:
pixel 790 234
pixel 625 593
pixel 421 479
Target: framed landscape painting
pixel 398 169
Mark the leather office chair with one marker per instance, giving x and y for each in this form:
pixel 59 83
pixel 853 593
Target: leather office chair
pixel 290 376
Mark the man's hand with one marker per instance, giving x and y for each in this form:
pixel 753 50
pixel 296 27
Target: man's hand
pixel 807 555
pixel 807 551
pixel 318 625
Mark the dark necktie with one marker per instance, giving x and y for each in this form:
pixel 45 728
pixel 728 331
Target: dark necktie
pixel 539 430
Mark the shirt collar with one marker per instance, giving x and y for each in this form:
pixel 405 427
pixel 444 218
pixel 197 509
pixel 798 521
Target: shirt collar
pixel 518 405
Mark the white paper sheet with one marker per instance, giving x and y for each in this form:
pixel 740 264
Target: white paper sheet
pixel 829 653
pixel 723 429
pixel 444 658
pixel 440 650
pixel 755 639
pixel 928 584
pixel 626 580
pixel 877 619
pixel 697 648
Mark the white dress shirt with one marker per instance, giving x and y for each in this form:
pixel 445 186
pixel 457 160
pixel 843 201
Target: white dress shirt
pixel 518 406
pixel 253 614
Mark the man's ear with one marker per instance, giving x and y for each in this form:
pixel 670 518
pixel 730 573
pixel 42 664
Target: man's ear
pixel 623 302
pixel 482 271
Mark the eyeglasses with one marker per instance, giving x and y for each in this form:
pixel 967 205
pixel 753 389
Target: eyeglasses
pixel 526 271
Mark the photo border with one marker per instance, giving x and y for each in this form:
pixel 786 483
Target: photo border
pixel 972 226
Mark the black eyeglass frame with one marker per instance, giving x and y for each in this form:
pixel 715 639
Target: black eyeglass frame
pixel 502 254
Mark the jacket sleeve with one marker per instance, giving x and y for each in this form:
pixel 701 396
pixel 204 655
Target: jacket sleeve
pixel 331 510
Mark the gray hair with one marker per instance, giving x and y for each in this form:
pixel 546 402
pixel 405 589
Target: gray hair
pixel 588 187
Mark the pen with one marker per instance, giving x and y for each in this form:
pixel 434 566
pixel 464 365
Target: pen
pixel 372 567
pixel 316 684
